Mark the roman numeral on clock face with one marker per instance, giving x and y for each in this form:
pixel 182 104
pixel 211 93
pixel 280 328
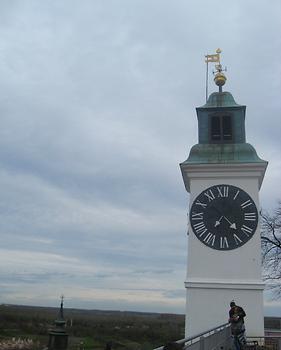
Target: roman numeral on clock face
pixel 210 239
pixel 200 228
pixel 250 216
pixel 247 230
pixel 237 240
pixel 196 216
pixel 203 205
pixel 222 191
pixel 236 195
pixel 224 243
pixel 210 195
pixel 246 204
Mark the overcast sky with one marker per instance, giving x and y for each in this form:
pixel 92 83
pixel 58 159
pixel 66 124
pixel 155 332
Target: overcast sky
pixel 97 110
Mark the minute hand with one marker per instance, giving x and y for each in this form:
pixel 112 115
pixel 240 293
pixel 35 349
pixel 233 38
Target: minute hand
pixel 232 225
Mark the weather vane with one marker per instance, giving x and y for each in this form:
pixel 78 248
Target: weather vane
pixel 220 78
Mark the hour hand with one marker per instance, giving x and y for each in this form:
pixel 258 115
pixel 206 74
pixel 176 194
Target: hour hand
pixel 217 223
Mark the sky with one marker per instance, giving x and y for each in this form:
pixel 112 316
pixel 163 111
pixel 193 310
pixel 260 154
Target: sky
pixel 97 110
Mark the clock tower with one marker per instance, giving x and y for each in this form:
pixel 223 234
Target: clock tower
pixel 223 175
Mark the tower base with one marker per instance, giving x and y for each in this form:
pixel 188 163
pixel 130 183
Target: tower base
pixel 209 301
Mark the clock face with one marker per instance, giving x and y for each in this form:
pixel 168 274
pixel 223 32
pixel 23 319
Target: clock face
pixel 223 217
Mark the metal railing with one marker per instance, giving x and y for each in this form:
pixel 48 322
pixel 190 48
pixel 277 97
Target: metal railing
pixel 271 342
pixel 212 339
pixel 219 338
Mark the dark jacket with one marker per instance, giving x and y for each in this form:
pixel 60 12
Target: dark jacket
pixel 236 314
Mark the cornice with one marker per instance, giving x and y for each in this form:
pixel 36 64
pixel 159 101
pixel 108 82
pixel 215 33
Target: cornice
pixel 247 170
pixel 222 284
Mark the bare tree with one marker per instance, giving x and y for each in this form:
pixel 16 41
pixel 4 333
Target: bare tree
pixel 271 249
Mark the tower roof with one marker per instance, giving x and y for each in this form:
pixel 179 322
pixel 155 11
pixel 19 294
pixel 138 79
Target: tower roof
pixel 220 99
pixel 221 127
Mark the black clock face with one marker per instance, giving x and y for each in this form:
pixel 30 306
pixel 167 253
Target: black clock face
pixel 224 217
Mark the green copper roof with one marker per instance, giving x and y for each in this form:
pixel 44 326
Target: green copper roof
pixel 220 99
pixel 223 153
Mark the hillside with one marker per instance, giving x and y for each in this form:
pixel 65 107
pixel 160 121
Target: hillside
pixel 92 329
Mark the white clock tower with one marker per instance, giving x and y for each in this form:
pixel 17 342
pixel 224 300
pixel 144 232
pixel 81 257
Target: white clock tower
pixel 223 175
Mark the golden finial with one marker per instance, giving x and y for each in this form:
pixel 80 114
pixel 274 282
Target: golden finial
pixel 220 79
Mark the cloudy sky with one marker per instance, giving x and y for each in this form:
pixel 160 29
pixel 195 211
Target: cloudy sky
pixel 97 110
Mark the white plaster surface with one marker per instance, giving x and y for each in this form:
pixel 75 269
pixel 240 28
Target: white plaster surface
pixel 207 308
pixel 214 277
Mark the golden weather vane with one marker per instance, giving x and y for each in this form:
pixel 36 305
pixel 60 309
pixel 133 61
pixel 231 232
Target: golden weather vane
pixel 213 58
pixel 220 78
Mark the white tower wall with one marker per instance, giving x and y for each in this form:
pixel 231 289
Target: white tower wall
pixel 216 277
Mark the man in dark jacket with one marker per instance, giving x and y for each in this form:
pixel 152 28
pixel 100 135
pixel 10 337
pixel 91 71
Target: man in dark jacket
pixel 236 313
pixel 236 318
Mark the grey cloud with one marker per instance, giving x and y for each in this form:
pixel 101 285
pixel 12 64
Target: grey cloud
pixel 97 105
pixel 180 293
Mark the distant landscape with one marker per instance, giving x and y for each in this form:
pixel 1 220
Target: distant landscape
pixel 92 329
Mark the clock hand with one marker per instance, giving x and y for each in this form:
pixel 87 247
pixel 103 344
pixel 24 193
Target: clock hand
pixel 232 225
pixel 217 223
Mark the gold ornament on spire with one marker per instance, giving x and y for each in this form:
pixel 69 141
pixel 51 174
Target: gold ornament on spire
pixel 213 58
pixel 219 78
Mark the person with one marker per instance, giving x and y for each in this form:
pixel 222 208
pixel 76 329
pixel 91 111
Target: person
pixel 236 318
